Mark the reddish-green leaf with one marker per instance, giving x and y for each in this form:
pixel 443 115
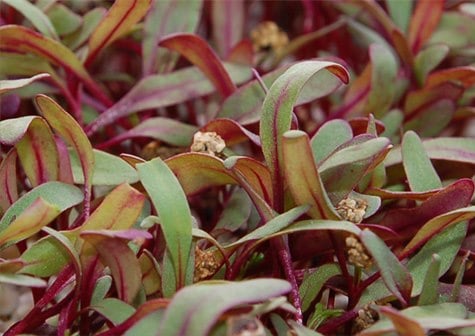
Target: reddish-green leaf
pixel 228 18
pixel 118 211
pixel 65 125
pixel 277 110
pixel 150 273
pixel 394 274
pixel 29 222
pixel 24 40
pixel 314 282
pixel 420 173
pixel 436 225
pixel 8 181
pixel 124 266
pixel 12 84
pixel 164 90
pixel 114 310
pixel 329 136
pixel 120 18
pixel 424 21
pixel 167 130
pixel 189 311
pixel 231 131
pixel 464 75
pixel 302 176
pixel 404 325
pixel 198 52
pixel 170 201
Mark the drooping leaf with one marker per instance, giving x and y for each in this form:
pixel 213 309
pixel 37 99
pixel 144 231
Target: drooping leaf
pixel 164 90
pixel 114 310
pixel 190 311
pixel 329 137
pixel 198 52
pixel 117 255
pixel 65 125
pixel 7 85
pixel 277 110
pixel 22 280
pixel 8 181
pixel 420 173
pixel 119 210
pixel 108 169
pixel 167 130
pixel 394 274
pixel 60 195
pixel 302 176
pixel 120 18
pixel 31 12
pixel 172 206
pixel 166 17
pixel 313 283
pixel 424 21
pixel 21 39
pixel 29 222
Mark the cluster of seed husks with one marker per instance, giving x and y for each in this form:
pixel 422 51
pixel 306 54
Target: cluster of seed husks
pixel 267 36
pixel 208 142
pixel 205 264
pixel 352 210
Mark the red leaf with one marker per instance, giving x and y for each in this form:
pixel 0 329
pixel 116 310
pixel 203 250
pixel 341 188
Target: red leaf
pixel 8 180
pixel 424 21
pixel 465 75
pixel 198 52
pixel 231 131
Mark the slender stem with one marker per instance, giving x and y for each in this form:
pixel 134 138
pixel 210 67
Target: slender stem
pixel 260 81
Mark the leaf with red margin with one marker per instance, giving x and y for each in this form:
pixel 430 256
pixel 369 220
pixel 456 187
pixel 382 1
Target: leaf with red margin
pixel 117 255
pixel 404 325
pixel 231 131
pixel 12 84
pixel 118 211
pixel 198 52
pixel 40 213
pixel 197 171
pixel 241 53
pixel 35 147
pixel 24 40
pixel 302 177
pixel 163 129
pixel 120 19
pixel 65 125
pixel 227 19
pixel 409 195
pixel 407 221
pixel 166 17
pixel 277 111
pixel 329 137
pixel 436 225
pixel 8 181
pixel 394 274
pixel 424 21
pixel 464 75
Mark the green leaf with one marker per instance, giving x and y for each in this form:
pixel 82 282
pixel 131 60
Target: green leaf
pixel 394 274
pixel 277 110
pixel 302 176
pixel 420 173
pixel 64 20
pixel 148 325
pixel 166 17
pixel 171 204
pixel 236 212
pixel 430 290
pixel 7 85
pixel 21 280
pixel 313 283
pixel 103 284
pixel 400 12
pixel 108 169
pixel 114 310
pixel 46 257
pixel 60 195
pixel 329 137
pixel 35 15
pixel 120 19
pixel 90 20
pixel 428 59
pixel 189 312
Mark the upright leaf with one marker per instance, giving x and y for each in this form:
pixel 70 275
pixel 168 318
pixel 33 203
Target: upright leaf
pixel 171 204
pixel 120 18
pixel 8 181
pixel 420 173
pixel 424 21
pixel 65 125
pixel 166 17
pixel 277 110
pixel 228 24
pixel 302 176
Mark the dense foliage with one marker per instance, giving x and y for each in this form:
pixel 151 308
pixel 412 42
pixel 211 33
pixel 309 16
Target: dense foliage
pixel 214 167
